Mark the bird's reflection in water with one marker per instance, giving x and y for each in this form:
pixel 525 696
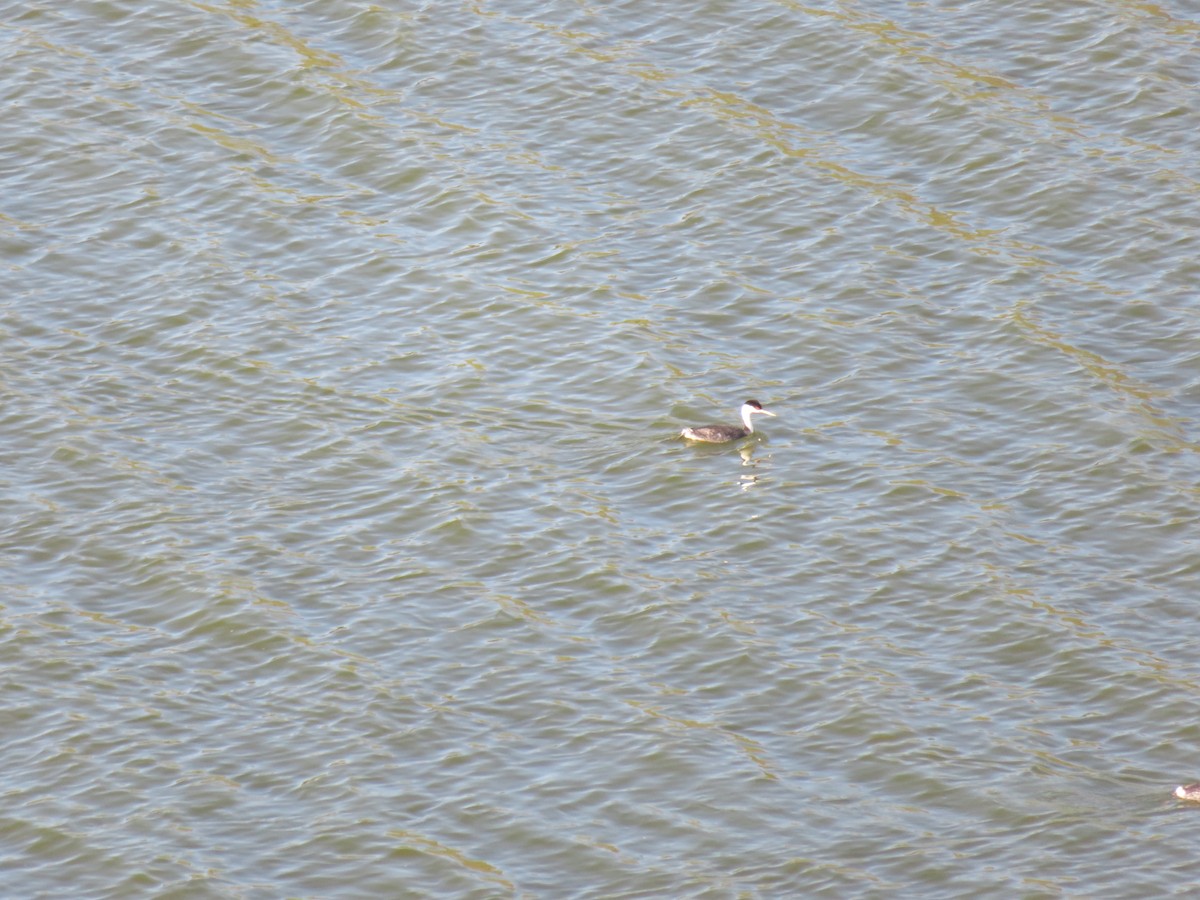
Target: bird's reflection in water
pixel 747 479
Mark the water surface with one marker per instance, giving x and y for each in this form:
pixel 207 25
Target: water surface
pixel 349 549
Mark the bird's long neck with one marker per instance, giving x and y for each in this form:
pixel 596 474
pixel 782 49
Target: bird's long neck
pixel 747 420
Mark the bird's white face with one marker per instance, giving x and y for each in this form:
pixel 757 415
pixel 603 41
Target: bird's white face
pixel 1188 792
pixel 749 410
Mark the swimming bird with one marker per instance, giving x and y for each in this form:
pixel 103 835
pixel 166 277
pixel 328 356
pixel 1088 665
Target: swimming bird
pixel 719 434
pixel 1189 792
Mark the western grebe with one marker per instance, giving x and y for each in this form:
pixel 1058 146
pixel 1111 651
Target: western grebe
pixel 1188 792
pixel 718 434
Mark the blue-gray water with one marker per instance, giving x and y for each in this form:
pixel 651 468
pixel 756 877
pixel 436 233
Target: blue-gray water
pixel 348 547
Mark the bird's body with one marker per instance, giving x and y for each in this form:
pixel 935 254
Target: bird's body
pixel 720 434
pixel 1188 792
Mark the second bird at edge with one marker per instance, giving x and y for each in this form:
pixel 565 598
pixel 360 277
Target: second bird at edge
pixel 719 434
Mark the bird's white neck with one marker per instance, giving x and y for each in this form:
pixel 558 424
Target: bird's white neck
pixel 746 410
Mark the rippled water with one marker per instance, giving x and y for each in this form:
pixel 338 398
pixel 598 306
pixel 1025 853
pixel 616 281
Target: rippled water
pixel 349 549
